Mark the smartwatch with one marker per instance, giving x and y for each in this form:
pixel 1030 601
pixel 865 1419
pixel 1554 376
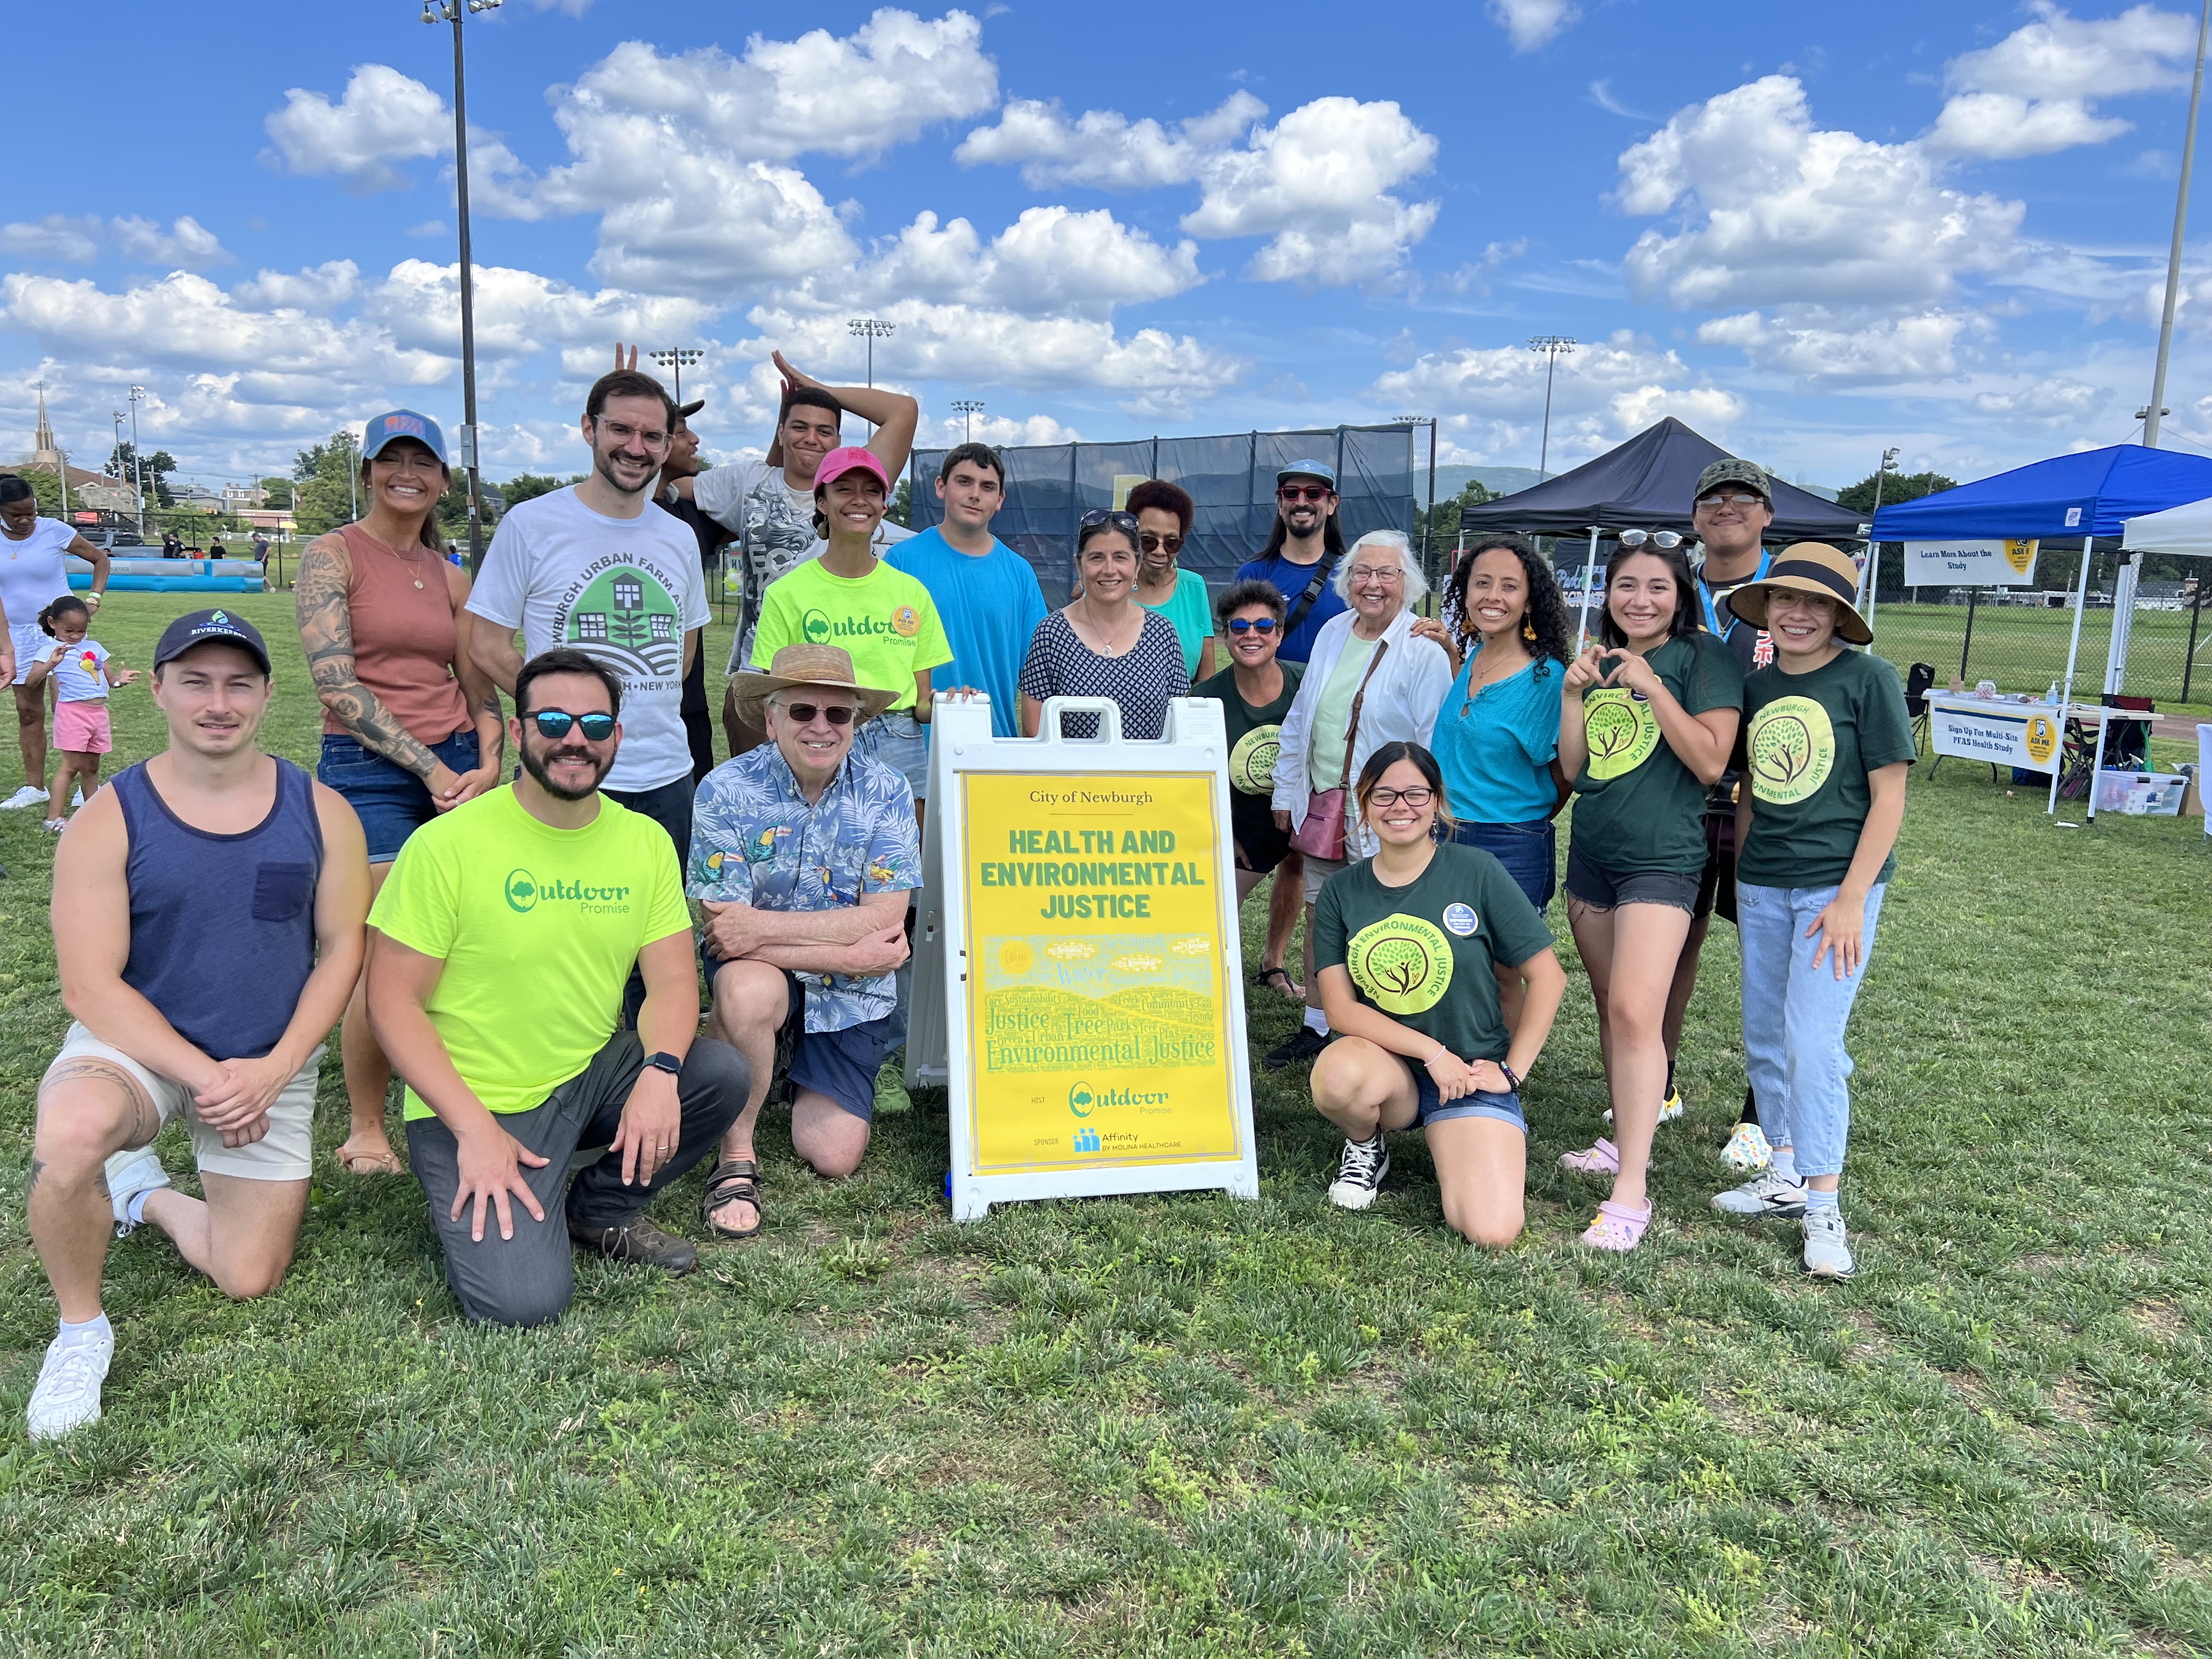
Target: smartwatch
pixel 664 1061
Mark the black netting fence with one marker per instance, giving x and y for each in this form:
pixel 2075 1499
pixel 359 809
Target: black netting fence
pixel 1231 479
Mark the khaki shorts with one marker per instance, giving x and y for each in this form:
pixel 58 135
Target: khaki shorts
pixel 283 1154
pixel 1318 871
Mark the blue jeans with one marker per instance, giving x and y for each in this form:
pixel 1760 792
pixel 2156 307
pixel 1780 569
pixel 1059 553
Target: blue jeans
pixel 1529 851
pixel 1794 1015
pixel 391 801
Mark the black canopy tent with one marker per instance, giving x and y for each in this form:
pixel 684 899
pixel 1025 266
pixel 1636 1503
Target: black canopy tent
pixel 1646 484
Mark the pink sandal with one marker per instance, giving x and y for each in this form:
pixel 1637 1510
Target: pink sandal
pixel 1604 1159
pixel 1616 1227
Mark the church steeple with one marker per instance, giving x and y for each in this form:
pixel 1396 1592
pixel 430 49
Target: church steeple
pixel 45 451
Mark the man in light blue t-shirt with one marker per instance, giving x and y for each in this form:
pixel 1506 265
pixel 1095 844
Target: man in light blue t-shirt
pixel 985 593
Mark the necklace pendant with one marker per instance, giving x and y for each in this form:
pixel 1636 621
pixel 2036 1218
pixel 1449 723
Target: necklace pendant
pixel 418 582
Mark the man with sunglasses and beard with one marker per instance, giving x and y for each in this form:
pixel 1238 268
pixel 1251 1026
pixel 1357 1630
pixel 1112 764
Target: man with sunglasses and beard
pixel 500 947
pixel 803 853
pixel 1301 554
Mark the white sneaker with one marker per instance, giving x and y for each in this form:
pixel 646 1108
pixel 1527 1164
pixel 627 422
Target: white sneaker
pixel 129 1173
pixel 1827 1255
pixel 67 1395
pixel 1366 1163
pixel 1747 1149
pixel 76 798
pixel 29 795
pixel 1765 1193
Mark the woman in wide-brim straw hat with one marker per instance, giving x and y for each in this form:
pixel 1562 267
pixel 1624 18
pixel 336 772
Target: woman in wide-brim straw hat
pixel 1826 749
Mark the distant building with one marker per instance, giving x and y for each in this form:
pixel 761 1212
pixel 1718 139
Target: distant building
pixel 239 498
pixel 90 494
pixel 196 496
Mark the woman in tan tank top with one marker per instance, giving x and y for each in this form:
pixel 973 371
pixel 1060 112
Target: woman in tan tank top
pixel 410 728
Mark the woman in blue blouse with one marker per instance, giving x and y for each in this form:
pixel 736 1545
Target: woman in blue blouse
pixel 1499 728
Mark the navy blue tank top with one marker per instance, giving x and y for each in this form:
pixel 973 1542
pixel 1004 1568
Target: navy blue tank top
pixel 222 928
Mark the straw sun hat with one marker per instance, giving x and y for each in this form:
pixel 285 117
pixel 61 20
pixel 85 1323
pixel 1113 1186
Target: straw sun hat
pixel 1808 567
pixel 825 667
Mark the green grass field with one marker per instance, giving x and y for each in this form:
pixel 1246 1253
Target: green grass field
pixel 1193 1426
pixel 2025 650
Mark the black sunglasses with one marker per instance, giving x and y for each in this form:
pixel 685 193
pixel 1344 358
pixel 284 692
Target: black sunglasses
pixel 1250 624
pixel 553 725
pixel 1113 516
pixel 1149 543
pixel 803 714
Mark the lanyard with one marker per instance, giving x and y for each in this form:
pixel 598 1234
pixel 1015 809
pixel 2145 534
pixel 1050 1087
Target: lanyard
pixel 1706 594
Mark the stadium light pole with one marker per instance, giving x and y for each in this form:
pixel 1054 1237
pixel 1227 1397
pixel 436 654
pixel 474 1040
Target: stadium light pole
pixel 1873 548
pixel 676 360
pixel 2156 408
pixel 434 11
pixel 1553 346
pixel 137 395
pixel 968 409
pixel 871 330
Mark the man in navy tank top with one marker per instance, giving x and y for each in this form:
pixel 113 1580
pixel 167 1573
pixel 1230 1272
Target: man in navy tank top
pixel 208 911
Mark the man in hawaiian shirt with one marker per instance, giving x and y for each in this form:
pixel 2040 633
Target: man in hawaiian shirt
pixel 802 854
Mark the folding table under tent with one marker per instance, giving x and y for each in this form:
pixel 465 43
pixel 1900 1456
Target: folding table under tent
pixel 2089 494
pixel 1648 483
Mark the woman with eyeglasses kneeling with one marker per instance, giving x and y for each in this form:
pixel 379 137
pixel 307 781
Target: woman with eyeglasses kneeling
pixel 1103 643
pixel 1648 719
pixel 1409 947
pixel 1255 692
pixel 1164 512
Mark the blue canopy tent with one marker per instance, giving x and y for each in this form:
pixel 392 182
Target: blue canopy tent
pixel 2089 494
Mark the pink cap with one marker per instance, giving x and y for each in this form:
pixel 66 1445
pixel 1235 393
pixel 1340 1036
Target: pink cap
pixel 838 462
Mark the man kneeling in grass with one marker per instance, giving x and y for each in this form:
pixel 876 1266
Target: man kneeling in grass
pixel 499 950
pixel 207 914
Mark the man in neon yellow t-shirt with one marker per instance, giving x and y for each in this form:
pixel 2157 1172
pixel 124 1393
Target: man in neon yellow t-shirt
pixel 499 946
pixel 881 618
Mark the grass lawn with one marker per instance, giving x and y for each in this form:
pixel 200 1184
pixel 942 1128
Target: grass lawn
pixel 2025 650
pixel 1190 1425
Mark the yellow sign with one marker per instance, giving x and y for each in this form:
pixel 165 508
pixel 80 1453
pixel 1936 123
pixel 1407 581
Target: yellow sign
pixel 1123 483
pixel 1097 1010
pixel 2020 556
pixel 2042 737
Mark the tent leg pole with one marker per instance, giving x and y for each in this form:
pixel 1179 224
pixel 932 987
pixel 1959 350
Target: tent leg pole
pixel 2098 764
pixel 1590 571
pixel 2066 695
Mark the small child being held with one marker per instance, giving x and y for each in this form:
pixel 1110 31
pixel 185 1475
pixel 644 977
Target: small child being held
pixel 81 671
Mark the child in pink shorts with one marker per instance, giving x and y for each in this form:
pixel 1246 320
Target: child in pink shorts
pixel 83 672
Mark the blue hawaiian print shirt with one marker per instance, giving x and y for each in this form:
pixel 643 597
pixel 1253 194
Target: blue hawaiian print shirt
pixel 755 840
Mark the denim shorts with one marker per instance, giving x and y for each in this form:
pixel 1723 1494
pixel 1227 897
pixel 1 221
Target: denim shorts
pixel 899 742
pixel 391 801
pixel 1529 851
pixel 1428 1109
pixel 1606 889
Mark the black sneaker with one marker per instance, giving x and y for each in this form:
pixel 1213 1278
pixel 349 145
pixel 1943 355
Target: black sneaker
pixel 640 1242
pixel 1305 1044
pixel 1365 1163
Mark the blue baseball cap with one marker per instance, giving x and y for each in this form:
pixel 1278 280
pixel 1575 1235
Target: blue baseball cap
pixel 1308 469
pixel 404 423
pixel 211 628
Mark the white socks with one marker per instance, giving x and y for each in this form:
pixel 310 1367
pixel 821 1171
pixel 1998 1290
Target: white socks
pixel 95 1330
pixel 1316 1021
pixel 1785 1165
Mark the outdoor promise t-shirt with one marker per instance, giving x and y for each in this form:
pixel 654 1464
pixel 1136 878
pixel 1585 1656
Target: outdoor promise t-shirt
pixel 1255 742
pixel 1423 953
pixel 623 591
pixel 1637 807
pixel 885 619
pixel 1811 742
pixel 989 606
pixel 538 928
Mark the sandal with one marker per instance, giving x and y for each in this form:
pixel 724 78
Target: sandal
pixel 1617 1228
pixel 369 1163
pixel 735 1181
pixel 1289 987
pixel 1604 1159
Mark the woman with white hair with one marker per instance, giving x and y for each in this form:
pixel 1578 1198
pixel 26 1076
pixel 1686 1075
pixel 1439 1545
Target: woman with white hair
pixel 1369 682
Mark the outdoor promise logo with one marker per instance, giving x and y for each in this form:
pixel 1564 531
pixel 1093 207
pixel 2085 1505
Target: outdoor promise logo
pixel 525 892
pixel 521 891
pixel 1080 1100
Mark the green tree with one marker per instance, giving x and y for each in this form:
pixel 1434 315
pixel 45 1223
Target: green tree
pixel 1898 487
pixel 280 493
pixel 1436 533
pixel 529 486
pixel 901 511
pixel 45 487
pixel 323 497
pixel 153 474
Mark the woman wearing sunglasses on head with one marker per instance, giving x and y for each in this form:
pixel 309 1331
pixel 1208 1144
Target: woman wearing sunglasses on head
pixel 1103 643
pixel 1410 946
pixel 1255 692
pixel 411 727
pixel 1648 717
pixel 1163 514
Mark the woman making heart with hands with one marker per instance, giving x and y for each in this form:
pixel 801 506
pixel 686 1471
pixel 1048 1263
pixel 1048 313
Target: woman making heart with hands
pixel 1647 722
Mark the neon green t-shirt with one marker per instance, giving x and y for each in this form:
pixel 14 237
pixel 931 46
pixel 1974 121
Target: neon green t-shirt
pixel 538 928
pixel 885 618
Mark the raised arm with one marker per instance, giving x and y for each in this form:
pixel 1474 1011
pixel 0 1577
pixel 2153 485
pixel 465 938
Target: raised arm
pixel 326 632
pixel 893 414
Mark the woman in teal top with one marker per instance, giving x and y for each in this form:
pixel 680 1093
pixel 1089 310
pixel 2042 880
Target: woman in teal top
pixel 1164 512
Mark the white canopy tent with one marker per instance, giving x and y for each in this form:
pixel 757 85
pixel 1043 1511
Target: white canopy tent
pixel 2185 530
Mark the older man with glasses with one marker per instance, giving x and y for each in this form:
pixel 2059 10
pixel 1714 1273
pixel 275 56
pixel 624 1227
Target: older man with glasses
pixel 802 854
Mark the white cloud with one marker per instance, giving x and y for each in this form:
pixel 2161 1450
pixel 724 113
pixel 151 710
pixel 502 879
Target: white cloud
pixel 383 117
pixel 1104 149
pixel 1773 209
pixel 1029 431
pixel 1052 260
pixel 2059 401
pixel 519 313
pixel 689 222
pixel 1816 345
pixel 1707 408
pixel 57 236
pixel 186 243
pixel 320 287
pixel 1529 23
pixel 2029 94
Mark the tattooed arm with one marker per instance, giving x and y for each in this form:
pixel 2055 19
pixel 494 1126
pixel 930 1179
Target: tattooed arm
pixel 482 697
pixel 326 631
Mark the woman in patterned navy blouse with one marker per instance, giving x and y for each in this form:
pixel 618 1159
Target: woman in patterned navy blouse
pixel 1105 644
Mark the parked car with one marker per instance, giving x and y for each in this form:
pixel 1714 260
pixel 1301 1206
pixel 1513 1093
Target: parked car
pixel 111 538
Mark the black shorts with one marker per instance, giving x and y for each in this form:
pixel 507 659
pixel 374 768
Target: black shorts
pixel 1259 845
pixel 1607 890
pixel 1716 881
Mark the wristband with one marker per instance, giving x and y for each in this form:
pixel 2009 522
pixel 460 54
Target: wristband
pixel 664 1061
pixel 1443 1048
pixel 1512 1081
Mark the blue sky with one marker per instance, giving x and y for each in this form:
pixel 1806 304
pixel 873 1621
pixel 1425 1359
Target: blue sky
pixel 1810 232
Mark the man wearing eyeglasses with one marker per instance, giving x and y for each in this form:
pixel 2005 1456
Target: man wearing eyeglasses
pixel 1301 554
pixel 499 951
pixel 591 567
pixel 802 854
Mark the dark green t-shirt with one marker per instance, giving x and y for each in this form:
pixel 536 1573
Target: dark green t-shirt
pixel 1811 740
pixel 1637 807
pixel 1253 742
pixel 1422 953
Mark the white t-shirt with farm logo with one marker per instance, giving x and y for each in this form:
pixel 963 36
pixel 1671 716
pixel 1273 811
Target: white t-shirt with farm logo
pixel 624 590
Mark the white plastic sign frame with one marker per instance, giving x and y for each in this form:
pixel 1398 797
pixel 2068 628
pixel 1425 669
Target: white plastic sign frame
pixel 938 1048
